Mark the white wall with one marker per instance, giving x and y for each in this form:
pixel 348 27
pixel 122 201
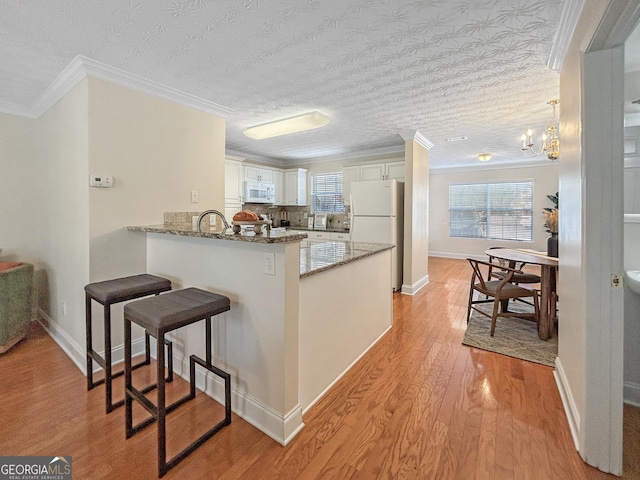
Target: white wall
pixel 157 153
pixel 63 208
pixel 19 224
pixel 440 244
pixel 631 316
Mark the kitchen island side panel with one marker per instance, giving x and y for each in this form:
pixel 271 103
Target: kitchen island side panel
pixel 343 313
pixel 257 340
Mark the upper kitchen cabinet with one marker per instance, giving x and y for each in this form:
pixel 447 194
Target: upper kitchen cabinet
pixel 232 181
pixel 258 174
pixel 370 171
pixel 382 171
pixel 295 187
pixel 278 181
pixel 349 174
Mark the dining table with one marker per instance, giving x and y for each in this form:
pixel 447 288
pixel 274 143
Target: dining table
pixel 548 268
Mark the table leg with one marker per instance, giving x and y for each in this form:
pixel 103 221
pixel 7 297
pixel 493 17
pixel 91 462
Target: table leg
pixel 545 299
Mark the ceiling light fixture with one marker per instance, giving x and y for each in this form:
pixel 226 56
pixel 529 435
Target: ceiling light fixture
pixel 484 157
pixel 300 123
pixel 550 144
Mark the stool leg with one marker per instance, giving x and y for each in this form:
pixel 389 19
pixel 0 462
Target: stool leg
pixel 147 349
pixel 161 407
pixel 89 342
pixel 107 358
pixel 128 407
pixel 208 340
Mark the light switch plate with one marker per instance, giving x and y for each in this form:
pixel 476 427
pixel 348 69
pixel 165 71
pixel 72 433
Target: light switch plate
pixel 269 263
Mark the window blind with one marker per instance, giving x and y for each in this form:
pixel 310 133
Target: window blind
pixel 499 211
pixel 326 193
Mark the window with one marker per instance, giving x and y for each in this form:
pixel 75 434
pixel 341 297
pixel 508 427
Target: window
pixel 326 193
pixel 499 211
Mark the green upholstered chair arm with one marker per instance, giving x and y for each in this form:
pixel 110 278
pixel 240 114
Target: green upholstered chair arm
pixel 16 294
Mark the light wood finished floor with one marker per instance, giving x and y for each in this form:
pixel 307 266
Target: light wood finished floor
pixel 419 405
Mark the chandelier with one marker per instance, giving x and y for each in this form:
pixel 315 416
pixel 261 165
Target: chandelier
pixel 550 144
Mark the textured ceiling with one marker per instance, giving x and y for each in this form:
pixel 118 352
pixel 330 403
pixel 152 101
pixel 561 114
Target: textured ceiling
pixel 377 68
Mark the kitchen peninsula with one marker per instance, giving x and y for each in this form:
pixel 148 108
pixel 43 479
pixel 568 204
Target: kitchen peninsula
pixel 300 316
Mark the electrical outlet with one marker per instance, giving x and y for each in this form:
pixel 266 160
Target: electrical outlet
pixel 194 222
pixel 269 263
pixel 195 196
pixel 306 215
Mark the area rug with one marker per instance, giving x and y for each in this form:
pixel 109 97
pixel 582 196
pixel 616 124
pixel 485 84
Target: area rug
pixel 514 337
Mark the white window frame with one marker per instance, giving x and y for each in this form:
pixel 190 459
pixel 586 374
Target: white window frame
pixel 488 218
pixel 326 180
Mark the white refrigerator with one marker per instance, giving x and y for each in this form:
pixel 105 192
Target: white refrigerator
pixel 377 209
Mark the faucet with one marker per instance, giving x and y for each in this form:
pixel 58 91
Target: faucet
pixel 216 212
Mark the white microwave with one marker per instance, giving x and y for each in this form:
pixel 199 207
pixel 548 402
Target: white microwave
pixel 259 192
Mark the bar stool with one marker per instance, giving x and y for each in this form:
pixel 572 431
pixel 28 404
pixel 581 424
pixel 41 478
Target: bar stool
pixel 159 315
pixel 107 293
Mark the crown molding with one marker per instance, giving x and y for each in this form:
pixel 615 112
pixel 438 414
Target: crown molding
pixel 418 137
pixel 495 166
pixel 10 108
pixel 82 67
pixel 377 153
pixel 571 10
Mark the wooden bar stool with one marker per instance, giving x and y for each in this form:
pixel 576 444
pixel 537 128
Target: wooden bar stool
pixel 159 315
pixel 107 293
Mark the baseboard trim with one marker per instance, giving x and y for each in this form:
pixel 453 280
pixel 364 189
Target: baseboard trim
pixel 632 394
pixel 281 427
pixel 459 256
pixel 570 409
pixel 413 289
pixel 77 353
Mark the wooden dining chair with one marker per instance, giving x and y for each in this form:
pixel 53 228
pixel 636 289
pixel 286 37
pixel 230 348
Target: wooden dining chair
pixel 498 292
pixel 497 271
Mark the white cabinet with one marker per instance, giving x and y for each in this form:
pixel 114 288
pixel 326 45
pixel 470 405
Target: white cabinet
pixel 232 181
pixel 382 171
pixel 230 209
pixel 257 173
pixel 278 181
pixel 349 174
pixel 314 235
pixel 295 187
pixel 394 170
pixel 340 236
pixel 372 172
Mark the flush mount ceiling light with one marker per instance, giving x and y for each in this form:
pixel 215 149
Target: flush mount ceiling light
pixel 457 139
pixel 484 157
pixel 300 123
pixel 550 144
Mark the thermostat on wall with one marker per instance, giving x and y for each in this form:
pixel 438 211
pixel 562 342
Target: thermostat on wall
pixel 100 181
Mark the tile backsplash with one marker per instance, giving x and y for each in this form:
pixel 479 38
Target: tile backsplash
pixel 295 215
